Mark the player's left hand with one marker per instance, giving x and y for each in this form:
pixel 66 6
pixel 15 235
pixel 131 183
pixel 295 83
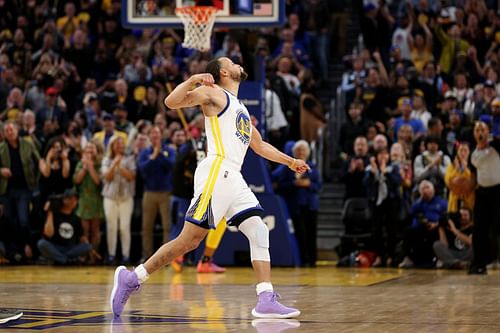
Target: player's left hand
pixel 300 166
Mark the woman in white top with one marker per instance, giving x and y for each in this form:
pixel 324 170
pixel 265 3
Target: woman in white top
pixel 118 176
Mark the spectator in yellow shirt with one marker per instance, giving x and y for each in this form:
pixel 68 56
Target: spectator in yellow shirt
pixel 451 44
pixel 460 180
pixel 69 23
pixel 108 131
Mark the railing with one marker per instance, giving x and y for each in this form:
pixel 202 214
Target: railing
pixel 337 118
pixel 317 152
pixel 328 137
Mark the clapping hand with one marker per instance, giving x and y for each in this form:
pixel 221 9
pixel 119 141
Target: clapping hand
pixel 373 164
pixel 5 172
pixel 117 161
pixel 87 161
pixel 64 154
pixel 432 225
pixel 303 182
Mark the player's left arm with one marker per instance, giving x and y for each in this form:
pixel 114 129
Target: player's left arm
pixel 266 150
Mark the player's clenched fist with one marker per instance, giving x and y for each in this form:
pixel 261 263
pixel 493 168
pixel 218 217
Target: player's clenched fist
pixel 203 78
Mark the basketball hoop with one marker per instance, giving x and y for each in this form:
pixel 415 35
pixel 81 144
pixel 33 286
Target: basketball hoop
pixel 198 22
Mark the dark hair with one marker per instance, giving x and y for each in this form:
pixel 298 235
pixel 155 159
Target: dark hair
pixel 178 130
pixel 357 103
pixel 380 151
pixel 432 139
pixel 431 62
pixel 214 67
pixel 83 118
pixel 52 142
pixel 433 122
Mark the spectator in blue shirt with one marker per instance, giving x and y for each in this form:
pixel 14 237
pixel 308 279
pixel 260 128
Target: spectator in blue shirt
pixel 427 212
pixel 299 50
pixel 302 200
pixel 405 107
pixel 155 164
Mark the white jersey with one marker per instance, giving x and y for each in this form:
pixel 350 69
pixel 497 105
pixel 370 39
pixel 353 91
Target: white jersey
pixel 229 133
pixel 220 192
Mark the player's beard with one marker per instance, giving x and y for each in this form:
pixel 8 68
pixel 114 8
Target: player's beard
pixel 241 76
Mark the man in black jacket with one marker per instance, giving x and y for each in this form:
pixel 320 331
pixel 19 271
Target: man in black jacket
pixel 353 170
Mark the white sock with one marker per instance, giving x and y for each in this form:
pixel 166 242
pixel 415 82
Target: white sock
pixel 264 286
pixel 142 273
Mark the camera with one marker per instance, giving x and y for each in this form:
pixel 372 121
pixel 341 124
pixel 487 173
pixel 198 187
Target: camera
pixel 421 218
pixel 56 202
pixel 77 131
pixel 455 217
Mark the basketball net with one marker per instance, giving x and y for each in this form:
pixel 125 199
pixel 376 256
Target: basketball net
pixel 198 23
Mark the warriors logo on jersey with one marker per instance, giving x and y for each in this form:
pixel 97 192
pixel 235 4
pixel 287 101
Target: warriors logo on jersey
pixel 243 127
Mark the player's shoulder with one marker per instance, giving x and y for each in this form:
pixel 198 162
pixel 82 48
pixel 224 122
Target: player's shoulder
pixel 215 93
pixel 215 99
pixel 212 92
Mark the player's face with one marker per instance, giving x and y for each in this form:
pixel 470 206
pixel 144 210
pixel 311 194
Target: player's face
pixel 236 72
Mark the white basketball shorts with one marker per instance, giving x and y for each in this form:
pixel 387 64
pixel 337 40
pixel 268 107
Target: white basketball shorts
pixel 220 192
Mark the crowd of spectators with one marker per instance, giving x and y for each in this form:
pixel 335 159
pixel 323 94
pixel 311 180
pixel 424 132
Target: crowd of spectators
pixel 426 74
pixel 87 146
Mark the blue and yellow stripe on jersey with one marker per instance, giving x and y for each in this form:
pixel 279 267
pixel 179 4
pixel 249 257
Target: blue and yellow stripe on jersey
pixel 214 170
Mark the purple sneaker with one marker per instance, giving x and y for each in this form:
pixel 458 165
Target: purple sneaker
pixel 125 283
pixel 269 307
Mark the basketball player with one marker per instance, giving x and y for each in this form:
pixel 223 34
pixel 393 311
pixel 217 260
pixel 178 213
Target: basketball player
pixel 219 188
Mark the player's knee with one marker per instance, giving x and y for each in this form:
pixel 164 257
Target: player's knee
pixel 258 237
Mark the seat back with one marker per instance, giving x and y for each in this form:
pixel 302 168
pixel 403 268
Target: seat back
pixel 357 216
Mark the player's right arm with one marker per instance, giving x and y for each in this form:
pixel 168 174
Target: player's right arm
pixel 185 96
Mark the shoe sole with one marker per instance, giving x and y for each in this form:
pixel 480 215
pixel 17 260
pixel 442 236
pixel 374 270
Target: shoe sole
pixel 292 323
pixel 115 286
pixel 275 315
pixel 17 316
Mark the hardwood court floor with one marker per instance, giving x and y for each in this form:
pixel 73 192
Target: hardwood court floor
pixel 331 300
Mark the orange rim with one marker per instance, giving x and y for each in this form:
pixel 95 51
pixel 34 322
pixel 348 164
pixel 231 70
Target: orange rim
pixel 199 14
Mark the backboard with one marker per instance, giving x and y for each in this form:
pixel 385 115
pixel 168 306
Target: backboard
pixel 232 13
